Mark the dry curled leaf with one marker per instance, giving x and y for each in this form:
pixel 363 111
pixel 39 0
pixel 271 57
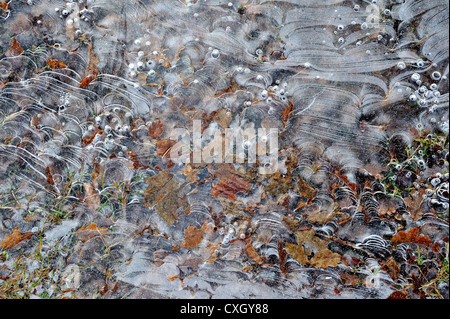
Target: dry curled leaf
pixel 4 6
pixel 192 237
pixel 49 176
pixel 15 238
pixel 414 203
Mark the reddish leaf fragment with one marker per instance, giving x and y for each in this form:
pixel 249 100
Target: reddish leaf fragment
pixel 412 236
pixel 14 49
pixel 230 187
pixel 287 113
pixel 136 161
pixel 49 176
pixel 398 295
pixel 282 254
pixel 4 6
pixel 14 238
pixel 155 129
pixel 164 146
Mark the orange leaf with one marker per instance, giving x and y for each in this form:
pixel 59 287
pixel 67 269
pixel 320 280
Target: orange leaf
pixel 412 236
pixel 4 6
pixel 14 238
pixel 55 64
pixel 192 237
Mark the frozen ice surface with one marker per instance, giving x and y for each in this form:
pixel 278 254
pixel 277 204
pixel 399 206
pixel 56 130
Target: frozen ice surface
pixel 91 92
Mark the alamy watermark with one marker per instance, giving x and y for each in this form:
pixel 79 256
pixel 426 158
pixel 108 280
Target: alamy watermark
pixel 229 145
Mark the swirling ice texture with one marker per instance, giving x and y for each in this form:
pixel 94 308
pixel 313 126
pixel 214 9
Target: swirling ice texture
pixel 340 72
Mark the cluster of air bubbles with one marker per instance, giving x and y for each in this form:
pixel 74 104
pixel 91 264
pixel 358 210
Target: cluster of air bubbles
pixel 145 61
pixel 235 230
pixel 437 190
pixel 426 94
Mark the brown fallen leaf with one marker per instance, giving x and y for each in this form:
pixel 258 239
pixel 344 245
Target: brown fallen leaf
pixel 164 146
pixel 412 236
pixel 233 87
pixel 279 184
pixel 15 238
pixel 325 258
pixel 297 252
pixel 136 161
pixel 223 118
pixel 392 268
pixel 321 217
pixel 164 192
pixel 414 203
pixel 306 190
pixel 398 295
pixel 349 279
pixel 252 253
pixel 91 198
pixel 192 237
pixel 92 69
pixel 283 256
pixel 190 173
pixel 155 129
pixel 91 231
